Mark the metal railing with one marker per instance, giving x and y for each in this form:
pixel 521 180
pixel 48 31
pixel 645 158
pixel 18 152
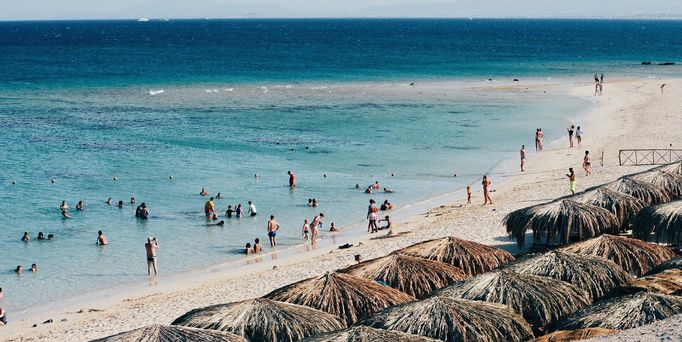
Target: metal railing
pixel 649 156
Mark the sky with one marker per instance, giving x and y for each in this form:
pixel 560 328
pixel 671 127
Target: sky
pixel 128 9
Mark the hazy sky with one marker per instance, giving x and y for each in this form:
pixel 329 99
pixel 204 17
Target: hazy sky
pixel 111 9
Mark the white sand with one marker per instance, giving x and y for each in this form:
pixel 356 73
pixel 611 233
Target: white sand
pixel 631 114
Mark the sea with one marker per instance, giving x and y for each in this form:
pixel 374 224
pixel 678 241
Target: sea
pixel 158 110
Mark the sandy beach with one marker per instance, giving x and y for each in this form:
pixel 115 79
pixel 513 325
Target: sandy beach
pixel 632 113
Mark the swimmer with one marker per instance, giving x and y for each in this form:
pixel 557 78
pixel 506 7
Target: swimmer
pixel 64 207
pixel 310 202
pixel 368 190
pixel 387 190
pixel 357 186
pixel 229 211
pixel 376 185
pixel 115 178
pixel 25 237
pixel 333 228
pixel 306 230
pixel 292 179
pixel 219 196
pixel 240 211
pixel 34 268
pixel 14 182
pixel 101 239
pixel 209 208
pixel 53 181
pixel 315 203
pixel 203 192
pixel 248 250
pixel 170 177
pixel 80 206
pixel 50 237
pixel 19 270
pixel 109 201
pixel 252 209
pixel 133 200
pixel 221 223
pixel 257 248
pixel 120 204
pixel 386 205
pixel 40 236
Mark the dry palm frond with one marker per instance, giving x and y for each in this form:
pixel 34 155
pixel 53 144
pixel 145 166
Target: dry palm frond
pixel 675 263
pixel 454 320
pixel 663 220
pixel 172 333
pixel 415 276
pixel 471 257
pixel 540 300
pixel 263 320
pixel 647 192
pixel 367 334
pixel 672 168
pixel 624 312
pixel 560 221
pixel 671 182
pixel 667 282
pixel 574 335
pixel 347 296
pixel 634 256
pixel 623 206
pixel 596 275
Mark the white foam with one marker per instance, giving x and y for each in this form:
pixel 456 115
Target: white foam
pixel 229 89
pixel 155 92
pixel 143 19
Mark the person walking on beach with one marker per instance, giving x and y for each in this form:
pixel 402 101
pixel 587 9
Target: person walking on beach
pixel 523 157
pixel 468 194
pixel 372 213
pixel 151 246
pixel 292 179
pixel 601 79
pixel 571 180
pixel 587 163
pixel 306 230
pixel 596 78
pixel 663 87
pixel 209 208
pixel 101 239
pixel 570 130
pixel 538 139
pixel 486 190
pixel 273 226
pixel 579 136
pixel 252 209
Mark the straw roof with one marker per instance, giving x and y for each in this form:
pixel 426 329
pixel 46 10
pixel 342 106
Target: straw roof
pixel 560 221
pixel 634 256
pixel 172 333
pixel 471 257
pixel 596 275
pixel 675 263
pixel 262 320
pixel 672 168
pixel 341 294
pixel 415 276
pixel 667 282
pixel 540 300
pixel 671 182
pixel 574 335
pixel 623 206
pixel 645 191
pixel 368 334
pixel 624 312
pixel 663 220
pixel 454 320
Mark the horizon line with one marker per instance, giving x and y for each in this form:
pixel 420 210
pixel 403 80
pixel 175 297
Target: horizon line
pixel 605 18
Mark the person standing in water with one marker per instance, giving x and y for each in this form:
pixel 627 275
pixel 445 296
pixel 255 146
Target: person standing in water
pixel 209 208
pixel 522 154
pixel 292 179
pixel 306 230
pixel 571 180
pixel 315 227
pixel 486 190
pixel 570 130
pixel 372 213
pixel 101 239
pixel 252 209
pixel 579 136
pixel 587 163
pixel 538 139
pixel 151 246
pixel 273 227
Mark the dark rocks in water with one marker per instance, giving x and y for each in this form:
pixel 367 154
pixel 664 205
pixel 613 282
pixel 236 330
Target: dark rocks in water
pixel 666 63
pixel 516 80
pixel 646 63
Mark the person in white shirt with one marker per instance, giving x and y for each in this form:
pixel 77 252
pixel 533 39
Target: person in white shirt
pixel 252 209
pixel 579 136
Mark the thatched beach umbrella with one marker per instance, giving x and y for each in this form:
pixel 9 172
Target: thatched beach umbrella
pixel 645 191
pixel 454 320
pixel 574 335
pixel 347 296
pixel 368 334
pixel 675 263
pixel 634 256
pixel 172 333
pixel 263 320
pixel 672 168
pixel 671 182
pixel 663 220
pixel 624 312
pixel 623 206
pixel 596 275
pixel 540 300
pixel 415 276
pixel 471 257
pixel 560 221
pixel 667 282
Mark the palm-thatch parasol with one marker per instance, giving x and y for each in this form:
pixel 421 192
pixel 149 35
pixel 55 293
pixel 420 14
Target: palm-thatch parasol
pixel 675 263
pixel 368 334
pixel 415 276
pixel 634 256
pixel 454 320
pixel 645 191
pixel 263 320
pixel 596 275
pixel 560 221
pixel 672 168
pixel 471 257
pixel 574 335
pixel 540 300
pixel 667 282
pixel 624 312
pixel 663 220
pixel 172 333
pixel 671 182
pixel 623 206
pixel 341 294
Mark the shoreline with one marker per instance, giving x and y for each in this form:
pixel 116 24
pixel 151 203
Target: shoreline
pixel 442 209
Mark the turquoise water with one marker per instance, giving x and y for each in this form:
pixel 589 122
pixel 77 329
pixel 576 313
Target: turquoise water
pixel 259 97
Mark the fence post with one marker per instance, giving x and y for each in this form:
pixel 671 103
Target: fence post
pixel 602 158
pixel 620 161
